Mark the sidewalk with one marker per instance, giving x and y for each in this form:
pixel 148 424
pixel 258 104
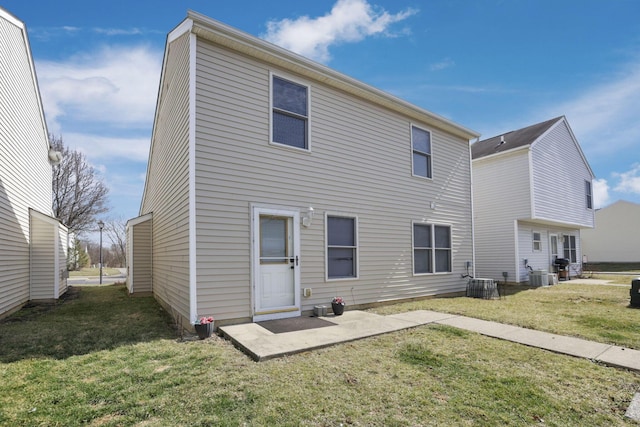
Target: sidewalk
pixel 261 344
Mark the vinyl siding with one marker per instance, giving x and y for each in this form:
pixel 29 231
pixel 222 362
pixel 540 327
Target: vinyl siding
pixel 500 195
pixel 167 186
pixel 616 236
pixel 25 174
pixel 43 260
pixel 541 260
pixel 359 164
pixel 140 271
pixel 559 175
pixel 63 251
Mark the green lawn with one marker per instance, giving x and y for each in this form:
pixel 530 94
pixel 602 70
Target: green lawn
pixel 101 358
pixel 598 313
pixel 94 272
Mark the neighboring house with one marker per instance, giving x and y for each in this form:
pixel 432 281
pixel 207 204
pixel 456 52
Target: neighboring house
pixel 532 194
pixel 616 237
pixel 33 244
pixel 275 183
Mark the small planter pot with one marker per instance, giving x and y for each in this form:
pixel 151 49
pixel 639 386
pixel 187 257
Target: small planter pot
pixel 338 309
pixel 204 331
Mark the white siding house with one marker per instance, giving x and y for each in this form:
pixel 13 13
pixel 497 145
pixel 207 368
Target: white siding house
pixel 616 236
pixel 275 183
pixel 33 244
pixel 532 193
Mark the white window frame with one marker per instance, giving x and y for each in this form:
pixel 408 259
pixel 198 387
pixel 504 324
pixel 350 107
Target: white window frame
pixel 536 243
pixel 427 155
pixel 433 248
pixel 294 80
pixel 356 262
pixel 588 193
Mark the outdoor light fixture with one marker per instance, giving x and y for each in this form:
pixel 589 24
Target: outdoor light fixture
pixel 307 217
pixel 55 157
pixel 101 226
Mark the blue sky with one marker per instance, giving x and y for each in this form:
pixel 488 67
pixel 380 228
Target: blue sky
pixel 490 65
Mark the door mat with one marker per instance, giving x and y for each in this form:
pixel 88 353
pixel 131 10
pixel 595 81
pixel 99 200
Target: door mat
pixel 292 324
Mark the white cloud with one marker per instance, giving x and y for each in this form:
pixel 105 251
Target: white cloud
pixel 348 21
pixel 629 182
pixel 118 31
pixel 600 193
pixel 108 149
pixel 113 86
pixel 445 63
pixel 605 117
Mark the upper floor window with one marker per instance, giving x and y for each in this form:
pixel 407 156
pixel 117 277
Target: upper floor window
pixel 589 195
pixel 431 248
pixel 290 113
pixel 342 247
pixel 421 144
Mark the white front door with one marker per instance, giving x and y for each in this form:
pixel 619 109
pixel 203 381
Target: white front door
pixel 276 263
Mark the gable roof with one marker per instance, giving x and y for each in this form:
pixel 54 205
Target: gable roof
pixel 514 139
pixel 232 38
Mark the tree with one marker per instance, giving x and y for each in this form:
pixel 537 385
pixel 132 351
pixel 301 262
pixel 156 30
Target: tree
pixel 79 195
pixel 77 257
pixel 116 231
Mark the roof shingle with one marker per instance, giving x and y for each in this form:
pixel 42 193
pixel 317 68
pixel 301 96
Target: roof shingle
pixel 513 139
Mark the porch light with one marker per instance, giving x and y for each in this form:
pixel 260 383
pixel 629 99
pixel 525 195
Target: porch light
pixel 307 217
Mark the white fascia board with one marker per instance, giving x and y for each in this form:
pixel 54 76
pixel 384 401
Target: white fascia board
pixel 232 38
pixel 137 220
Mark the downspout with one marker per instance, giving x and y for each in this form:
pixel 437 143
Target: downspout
pixel 473 218
pixel 193 290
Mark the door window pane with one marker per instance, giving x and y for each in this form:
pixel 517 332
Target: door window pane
pixel 273 239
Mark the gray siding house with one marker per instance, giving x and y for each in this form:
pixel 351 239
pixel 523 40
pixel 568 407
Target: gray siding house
pixel 33 244
pixel 616 235
pixel 532 193
pixel 275 183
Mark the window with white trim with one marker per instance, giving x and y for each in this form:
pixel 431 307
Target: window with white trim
pixel 537 242
pixel 570 249
pixel 431 248
pixel 289 113
pixel 421 146
pixel 588 194
pixel 342 247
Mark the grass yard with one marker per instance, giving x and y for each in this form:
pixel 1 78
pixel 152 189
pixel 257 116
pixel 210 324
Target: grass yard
pixel 101 358
pixel 94 272
pixel 594 312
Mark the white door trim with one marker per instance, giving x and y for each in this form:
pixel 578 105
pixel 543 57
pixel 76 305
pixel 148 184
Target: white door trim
pixel 280 312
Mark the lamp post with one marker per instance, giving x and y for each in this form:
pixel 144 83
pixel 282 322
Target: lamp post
pixel 101 225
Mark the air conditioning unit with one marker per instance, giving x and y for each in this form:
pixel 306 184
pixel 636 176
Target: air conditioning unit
pixel 482 288
pixel 538 278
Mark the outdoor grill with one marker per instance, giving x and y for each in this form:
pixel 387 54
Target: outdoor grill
pixel 562 268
